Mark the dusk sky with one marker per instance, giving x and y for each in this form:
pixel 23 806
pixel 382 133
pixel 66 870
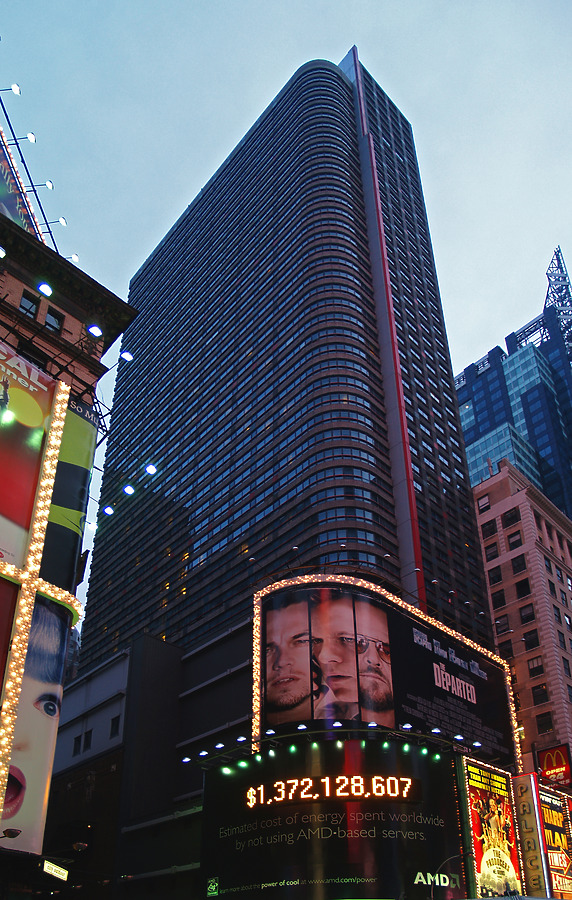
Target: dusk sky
pixel 136 103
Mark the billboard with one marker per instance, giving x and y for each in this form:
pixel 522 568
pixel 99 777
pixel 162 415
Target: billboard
pixel 8 597
pixel 534 863
pixel 26 798
pixel 334 819
pixel 335 648
pixel 14 201
pixel 66 521
pixel 494 836
pixel 26 399
pixel 554 765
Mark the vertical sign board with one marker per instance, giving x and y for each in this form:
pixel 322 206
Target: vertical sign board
pixel 334 819
pixel 62 544
pixel 333 647
pixel 493 831
pixel 26 399
pixel 557 839
pixel 534 863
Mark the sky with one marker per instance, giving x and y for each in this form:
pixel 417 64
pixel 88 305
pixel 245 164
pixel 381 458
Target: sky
pixel 136 103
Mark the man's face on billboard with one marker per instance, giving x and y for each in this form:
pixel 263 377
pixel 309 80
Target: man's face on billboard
pixel 372 641
pixel 288 664
pixel 335 649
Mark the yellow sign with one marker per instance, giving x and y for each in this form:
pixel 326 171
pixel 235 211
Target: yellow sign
pixel 54 870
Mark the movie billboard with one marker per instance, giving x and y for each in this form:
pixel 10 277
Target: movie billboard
pixel 26 798
pixel 331 820
pixel 557 839
pixel 493 831
pixel 26 399
pixel 13 199
pixel 554 765
pixel 339 650
pixel 66 521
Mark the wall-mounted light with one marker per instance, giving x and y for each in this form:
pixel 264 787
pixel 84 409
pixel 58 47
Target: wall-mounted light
pixel 95 331
pixel 45 289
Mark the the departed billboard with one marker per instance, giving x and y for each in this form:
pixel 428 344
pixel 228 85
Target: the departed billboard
pixel 340 649
pixel 493 831
pixel 331 820
pixel 26 399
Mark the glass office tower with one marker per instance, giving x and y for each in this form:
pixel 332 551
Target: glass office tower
pixel 291 384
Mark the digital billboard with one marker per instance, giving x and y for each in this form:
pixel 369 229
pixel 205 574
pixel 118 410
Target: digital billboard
pixel 554 765
pixel 333 820
pixel 335 648
pixel 493 831
pixel 26 399
pixel 26 798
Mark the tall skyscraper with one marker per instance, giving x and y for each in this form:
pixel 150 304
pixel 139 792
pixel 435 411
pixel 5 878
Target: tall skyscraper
pixel 518 404
pixel 291 386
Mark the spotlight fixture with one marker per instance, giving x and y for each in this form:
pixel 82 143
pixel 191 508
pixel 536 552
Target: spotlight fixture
pixel 204 753
pixel 15 88
pixel 435 730
pixel 45 289
pixel 108 510
pixel 407 726
pixel 186 759
pixel 240 739
pixel 372 724
pixel 270 731
pixel 95 331
pixel 459 737
pixel 302 727
pixel 61 221
pixel 31 137
pixel 336 725
pixel 128 489
pixel 151 469
pixel 2 253
pixel 219 746
pixel 126 355
pixel 477 744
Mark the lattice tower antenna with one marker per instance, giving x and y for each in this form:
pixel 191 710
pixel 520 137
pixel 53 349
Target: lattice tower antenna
pixel 559 295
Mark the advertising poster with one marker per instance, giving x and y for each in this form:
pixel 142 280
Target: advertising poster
pixel 26 398
pixel 333 820
pixel 26 797
pixel 64 534
pixel 13 200
pixel 8 597
pixel 493 832
pixel 557 840
pixel 554 765
pixel 331 651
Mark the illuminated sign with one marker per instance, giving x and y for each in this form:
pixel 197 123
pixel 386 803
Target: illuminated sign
pixel 330 648
pixel 348 787
pixel 334 819
pixel 554 765
pixel 54 870
pixel 556 829
pixel 534 864
pixel 493 832
pixel 14 201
